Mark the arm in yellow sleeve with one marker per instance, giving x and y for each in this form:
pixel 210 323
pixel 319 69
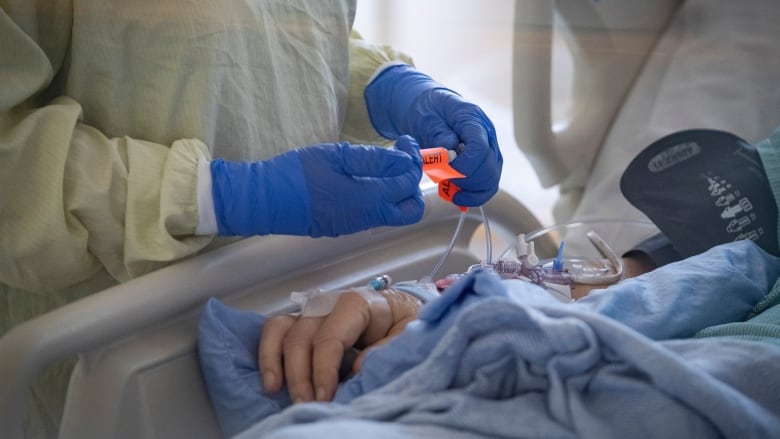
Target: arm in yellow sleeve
pixel 365 60
pixel 71 199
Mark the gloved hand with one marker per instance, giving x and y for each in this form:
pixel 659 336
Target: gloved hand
pixel 321 190
pixel 402 100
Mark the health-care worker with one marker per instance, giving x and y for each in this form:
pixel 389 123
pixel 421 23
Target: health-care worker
pixel 134 132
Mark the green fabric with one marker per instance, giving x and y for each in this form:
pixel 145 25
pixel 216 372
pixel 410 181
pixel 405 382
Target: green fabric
pixel 769 150
pixel 101 181
pixel 762 324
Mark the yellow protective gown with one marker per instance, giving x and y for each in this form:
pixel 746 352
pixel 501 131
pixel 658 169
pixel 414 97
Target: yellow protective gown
pixel 106 107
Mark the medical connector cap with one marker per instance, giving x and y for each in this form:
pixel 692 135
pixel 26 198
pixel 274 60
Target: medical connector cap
pixel 558 262
pixel 526 249
pixel 381 282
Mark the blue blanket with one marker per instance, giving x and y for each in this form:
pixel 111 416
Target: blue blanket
pixel 495 358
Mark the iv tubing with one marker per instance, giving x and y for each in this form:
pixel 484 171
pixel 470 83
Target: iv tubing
pixel 506 251
pixel 606 251
pixel 437 267
pixel 488 237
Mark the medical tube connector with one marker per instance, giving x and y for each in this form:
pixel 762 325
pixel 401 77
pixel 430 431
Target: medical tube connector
pixel 435 156
pixel 561 270
pixel 380 283
pixel 558 262
pixel 526 249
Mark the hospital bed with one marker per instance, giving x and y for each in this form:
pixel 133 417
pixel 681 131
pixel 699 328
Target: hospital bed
pixel 137 374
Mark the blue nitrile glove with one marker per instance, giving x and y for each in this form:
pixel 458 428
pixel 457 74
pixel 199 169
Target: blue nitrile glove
pixel 402 100
pixel 320 190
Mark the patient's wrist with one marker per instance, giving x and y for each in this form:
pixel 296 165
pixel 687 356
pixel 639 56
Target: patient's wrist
pixel 403 306
pixel 425 292
pixel 637 263
pixel 658 249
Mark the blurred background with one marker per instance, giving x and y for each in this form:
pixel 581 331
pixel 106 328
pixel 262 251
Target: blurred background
pixel 467 46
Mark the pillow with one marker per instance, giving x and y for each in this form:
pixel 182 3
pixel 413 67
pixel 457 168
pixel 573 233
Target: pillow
pixel 227 348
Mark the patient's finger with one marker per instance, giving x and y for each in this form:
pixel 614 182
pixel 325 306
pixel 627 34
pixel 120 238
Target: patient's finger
pixel 270 351
pixel 397 328
pixel 348 320
pixel 297 349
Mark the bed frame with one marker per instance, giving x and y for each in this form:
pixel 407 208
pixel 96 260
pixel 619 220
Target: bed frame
pixel 137 374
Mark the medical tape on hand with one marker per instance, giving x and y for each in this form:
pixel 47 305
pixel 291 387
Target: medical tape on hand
pixel 321 303
pixel 423 291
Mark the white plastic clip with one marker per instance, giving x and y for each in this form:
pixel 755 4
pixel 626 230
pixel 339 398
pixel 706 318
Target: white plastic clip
pixel 522 246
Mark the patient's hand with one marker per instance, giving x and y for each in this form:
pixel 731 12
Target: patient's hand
pixel 307 352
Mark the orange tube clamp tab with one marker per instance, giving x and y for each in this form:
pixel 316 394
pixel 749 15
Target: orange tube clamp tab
pixel 436 165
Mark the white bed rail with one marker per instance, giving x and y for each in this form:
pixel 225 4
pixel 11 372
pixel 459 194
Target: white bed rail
pixel 88 327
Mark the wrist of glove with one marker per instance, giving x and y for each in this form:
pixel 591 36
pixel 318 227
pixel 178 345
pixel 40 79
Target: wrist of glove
pixel 260 198
pixel 402 100
pixel 391 95
pixel 320 190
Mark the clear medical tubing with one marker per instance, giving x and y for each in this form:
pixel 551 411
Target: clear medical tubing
pixel 488 237
pixel 635 224
pixel 446 254
pixel 592 223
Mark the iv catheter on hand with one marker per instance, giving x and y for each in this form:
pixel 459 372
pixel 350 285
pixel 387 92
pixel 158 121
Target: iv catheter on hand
pixel 436 166
pixel 317 303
